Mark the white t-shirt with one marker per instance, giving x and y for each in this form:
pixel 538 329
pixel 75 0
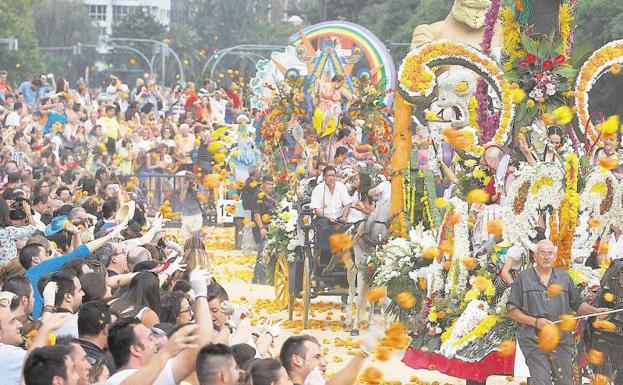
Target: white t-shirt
pixel 165 377
pixel 385 192
pixel 615 247
pixel 69 327
pixel 12 119
pixel 11 363
pixel 355 215
pixel 331 205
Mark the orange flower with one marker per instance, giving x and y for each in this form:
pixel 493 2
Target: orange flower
pixel 447 265
pixel 453 219
pixel 339 243
pixel 481 283
pixel 406 300
pixel 469 262
pixel 382 353
pixel 421 282
pixel 605 325
pixel 372 376
pixel 494 227
pixel 446 247
pixel 608 297
pixel 603 248
pixel 376 294
pixel 594 222
pixel 430 253
pixel 567 322
pixel 549 337
pixel 478 196
pixel 266 218
pixel 554 289
pixel 607 163
pixel 506 348
pixel 600 379
pixel 595 357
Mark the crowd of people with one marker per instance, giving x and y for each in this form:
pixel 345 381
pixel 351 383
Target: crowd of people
pixel 94 290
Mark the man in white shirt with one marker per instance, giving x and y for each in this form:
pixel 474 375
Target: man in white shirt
pixel 14 117
pixel 330 199
pixel 331 204
pixel 12 356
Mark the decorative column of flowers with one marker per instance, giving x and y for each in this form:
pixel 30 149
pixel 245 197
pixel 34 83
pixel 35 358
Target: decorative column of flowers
pixel 569 210
pixel 456 281
pixel 609 57
pixel 488 121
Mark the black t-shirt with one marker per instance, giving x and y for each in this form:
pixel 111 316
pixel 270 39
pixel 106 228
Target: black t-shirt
pixel 247 195
pixel 262 204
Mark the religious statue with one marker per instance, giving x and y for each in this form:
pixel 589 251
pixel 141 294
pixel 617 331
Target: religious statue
pixel 464 24
pixel 329 106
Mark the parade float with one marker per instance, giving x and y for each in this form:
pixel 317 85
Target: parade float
pixel 476 109
pixel 293 92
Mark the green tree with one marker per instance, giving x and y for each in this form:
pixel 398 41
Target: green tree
pixel 394 20
pixel 140 24
pixel 62 23
pixel 16 20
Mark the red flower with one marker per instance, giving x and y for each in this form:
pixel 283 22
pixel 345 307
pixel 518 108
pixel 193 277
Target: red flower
pixel 560 60
pixel 531 59
pixel 548 65
pixel 524 63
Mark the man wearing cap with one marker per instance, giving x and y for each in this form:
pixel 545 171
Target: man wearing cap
pixel 38 262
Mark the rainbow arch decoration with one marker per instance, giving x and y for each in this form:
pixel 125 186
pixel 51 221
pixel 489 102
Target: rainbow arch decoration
pixel 354 40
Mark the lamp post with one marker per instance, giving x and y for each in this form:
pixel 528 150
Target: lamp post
pixel 163 48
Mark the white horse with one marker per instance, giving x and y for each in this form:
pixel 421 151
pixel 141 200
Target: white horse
pixel 372 232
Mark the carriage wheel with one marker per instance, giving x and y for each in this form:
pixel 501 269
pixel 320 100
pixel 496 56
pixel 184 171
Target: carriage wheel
pixel 306 294
pixel 281 283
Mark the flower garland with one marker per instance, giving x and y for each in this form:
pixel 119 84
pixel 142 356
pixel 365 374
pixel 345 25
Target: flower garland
pixel 282 237
pixel 399 257
pixel 609 56
pixel 417 80
pixel 511 43
pixel 434 271
pixel 566 18
pixel 456 281
pixel 569 210
pixel 488 122
pixel 535 188
pixel 473 323
pixel 599 200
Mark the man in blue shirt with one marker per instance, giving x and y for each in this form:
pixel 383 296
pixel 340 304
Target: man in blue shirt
pixel 37 262
pixel 34 90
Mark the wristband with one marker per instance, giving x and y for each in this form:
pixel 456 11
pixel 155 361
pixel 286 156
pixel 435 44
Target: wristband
pixel 201 296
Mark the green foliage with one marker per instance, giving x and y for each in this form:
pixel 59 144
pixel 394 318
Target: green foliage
pixel 140 24
pixel 16 20
pixel 62 23
pixel 394 20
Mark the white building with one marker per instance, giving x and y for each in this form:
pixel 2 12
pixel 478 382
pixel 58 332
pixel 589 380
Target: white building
pixel 106 12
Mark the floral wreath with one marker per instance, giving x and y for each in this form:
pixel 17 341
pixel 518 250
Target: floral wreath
pixel 535 188
pixel 607 58
pixel 601 199
pixel 417 78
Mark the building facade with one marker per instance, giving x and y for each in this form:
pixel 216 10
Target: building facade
pixel 106 12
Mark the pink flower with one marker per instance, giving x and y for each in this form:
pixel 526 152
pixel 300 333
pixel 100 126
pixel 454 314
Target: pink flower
pixel 560 60
pixel 548 65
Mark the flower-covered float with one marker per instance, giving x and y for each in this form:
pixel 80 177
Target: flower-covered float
pixel 477 170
